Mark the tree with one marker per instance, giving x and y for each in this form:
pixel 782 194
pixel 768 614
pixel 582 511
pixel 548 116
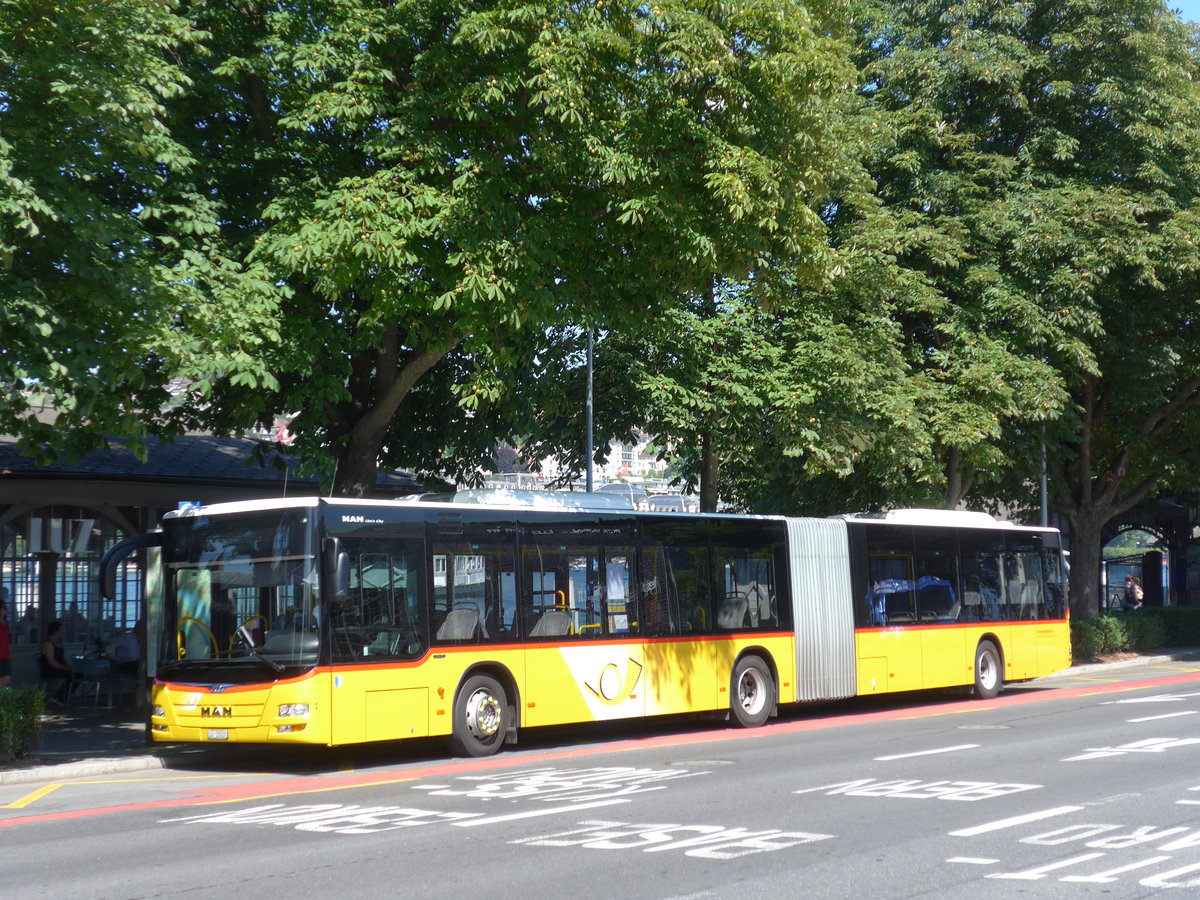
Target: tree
pixel 308 208
pixel 1038 183
pixel 431 187
pixel 105 240
pixel 906 378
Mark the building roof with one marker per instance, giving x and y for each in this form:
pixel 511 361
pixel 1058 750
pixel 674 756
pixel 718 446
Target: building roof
pixel 198 459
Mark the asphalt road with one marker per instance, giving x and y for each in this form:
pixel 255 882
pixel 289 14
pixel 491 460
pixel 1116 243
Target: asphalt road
pixel 1081 787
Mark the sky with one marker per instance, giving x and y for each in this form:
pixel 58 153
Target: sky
pixel 1189 10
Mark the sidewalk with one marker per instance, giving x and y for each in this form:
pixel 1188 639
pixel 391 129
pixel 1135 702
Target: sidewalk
pixel 82 742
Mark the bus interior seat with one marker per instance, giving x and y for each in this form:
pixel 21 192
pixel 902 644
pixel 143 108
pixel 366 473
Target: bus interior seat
pixel 734 609
pixel 937 602
pixel 462 624
pixel 1031 599
pixel 554 622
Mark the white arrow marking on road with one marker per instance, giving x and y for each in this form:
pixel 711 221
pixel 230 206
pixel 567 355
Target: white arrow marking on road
pixel 1109 876
pixel 553 811
pixel 1163 716
pixel 926 752
pixel 1015 820
pixel 973 860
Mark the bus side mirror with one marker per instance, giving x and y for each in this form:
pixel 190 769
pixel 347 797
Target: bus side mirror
pixel 336 586
pixel 116 555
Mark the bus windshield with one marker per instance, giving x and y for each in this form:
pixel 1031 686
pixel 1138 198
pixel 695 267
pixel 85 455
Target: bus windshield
pixel 240 596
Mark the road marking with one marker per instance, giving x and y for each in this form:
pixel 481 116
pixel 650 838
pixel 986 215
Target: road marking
pixel 973 860
pixel 534 813
pixel 1163 716
pixel 238 793
pixel 1039 872
pixel 1107 877
pixel 45 791
pixel 32 797
pixel 1155 698
pixel 1000 824
pixel 927 752
pixel 1147 745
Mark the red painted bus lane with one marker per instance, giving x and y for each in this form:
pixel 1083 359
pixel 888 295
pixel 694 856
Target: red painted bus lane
pixel 289 787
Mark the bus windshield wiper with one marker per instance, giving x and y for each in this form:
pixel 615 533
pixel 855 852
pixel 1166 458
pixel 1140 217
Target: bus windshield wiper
pixel 244 633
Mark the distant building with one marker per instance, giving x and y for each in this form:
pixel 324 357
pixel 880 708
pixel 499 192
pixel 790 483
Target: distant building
pixel 635 461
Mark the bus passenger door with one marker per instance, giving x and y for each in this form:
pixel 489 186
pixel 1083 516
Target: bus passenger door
pixel 689 670
pixel 377 691
pixel 583 660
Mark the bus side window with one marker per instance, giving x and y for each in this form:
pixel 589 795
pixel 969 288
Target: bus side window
pixel 657 614
pixel 984 587
pixel 936 565
pixel 687 570
pixel 745 589
pixel 972 599
pixel 620 601
pixel 890 575
pixel 1027 577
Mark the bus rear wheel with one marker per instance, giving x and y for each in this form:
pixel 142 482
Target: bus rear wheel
pixel 988 677
pixel 481 717
pixel 751 692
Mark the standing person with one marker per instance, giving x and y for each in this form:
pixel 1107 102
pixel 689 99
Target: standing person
pixel 1132 598
pixel 5 649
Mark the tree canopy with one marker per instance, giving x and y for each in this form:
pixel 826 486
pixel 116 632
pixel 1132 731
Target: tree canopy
pixel 369 192
pixel 1017 262
pixel 1025 263
pixel 1043 171
pixel 106 240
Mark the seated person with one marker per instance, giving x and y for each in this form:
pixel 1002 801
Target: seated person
pixel 52 662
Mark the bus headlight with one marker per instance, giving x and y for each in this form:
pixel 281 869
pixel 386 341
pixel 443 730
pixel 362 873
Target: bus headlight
pixel 157 711
pixel 293 709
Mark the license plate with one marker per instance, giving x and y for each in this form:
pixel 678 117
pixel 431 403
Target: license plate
pixel 218 734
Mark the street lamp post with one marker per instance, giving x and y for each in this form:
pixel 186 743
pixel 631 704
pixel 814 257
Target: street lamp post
pixel 588 460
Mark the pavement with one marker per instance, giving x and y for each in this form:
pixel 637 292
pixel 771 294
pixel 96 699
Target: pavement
pixel 84 742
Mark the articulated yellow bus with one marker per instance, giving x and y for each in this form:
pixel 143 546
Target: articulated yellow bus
pixel 341 621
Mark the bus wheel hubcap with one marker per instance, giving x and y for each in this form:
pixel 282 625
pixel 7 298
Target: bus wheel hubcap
pixel 483 714
pixel 987 671
pixel 751 691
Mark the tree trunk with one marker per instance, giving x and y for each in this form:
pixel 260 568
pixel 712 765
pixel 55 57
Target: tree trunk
pixel 708 474
pixel 357 441
pixel 1092 493
pixel 358 464
pixel 957 487
pixel 1086 557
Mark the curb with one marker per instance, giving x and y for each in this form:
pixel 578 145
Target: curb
pixel 115 765
pixel 83 768
pixel 1177 656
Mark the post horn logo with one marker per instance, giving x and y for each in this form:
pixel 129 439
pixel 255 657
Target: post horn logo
pixel 613 690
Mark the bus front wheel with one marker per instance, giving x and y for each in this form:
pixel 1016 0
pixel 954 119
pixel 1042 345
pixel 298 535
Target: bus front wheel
pixel 988 675
pixel 481 717
pixel 751 692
